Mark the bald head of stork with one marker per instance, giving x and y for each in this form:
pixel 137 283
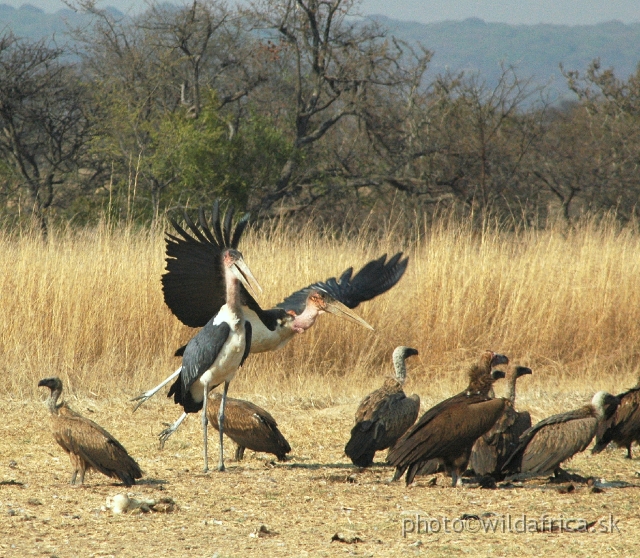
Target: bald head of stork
pixel 319 302
pixel 233 261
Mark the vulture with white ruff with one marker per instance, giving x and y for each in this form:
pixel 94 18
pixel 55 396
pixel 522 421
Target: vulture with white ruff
pixel 384 415
pixel 624 428
pixel 545 446
pixel 89 445
pixel 448 431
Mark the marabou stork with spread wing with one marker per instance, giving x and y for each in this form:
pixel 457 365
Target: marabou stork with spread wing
pixel 214 355
pixel 194 289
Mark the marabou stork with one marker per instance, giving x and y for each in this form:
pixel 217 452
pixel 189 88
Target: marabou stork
pixel 214 355
pixel 88 444
pixel 384 415
pixel 194 290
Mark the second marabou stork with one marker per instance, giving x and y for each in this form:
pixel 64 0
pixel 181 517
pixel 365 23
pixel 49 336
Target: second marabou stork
pixel 214 355
pixel 194 289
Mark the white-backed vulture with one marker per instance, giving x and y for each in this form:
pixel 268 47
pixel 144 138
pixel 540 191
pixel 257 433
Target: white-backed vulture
pixel 384 415
pixel 624 427
pixel 89 445
pixel 491 450
pixel 447 431
pixel 249 426
pixel 543 447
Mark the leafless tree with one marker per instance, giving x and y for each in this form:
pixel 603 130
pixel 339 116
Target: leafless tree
pixel 45 123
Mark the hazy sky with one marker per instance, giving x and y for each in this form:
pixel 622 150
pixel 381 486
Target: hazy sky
pixel 568 12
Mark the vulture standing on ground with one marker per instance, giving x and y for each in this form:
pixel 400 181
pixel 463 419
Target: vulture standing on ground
pixel 384 415
pixel 543 447
pixel 492 449
pixel 89 445
pixel 447 431
pixel 249 426
pixel 624 428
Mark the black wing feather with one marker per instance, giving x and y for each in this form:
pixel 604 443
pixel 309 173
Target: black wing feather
pixel 193 285
pixel 215 219
pixel 247 341
pixel 375 278
pixel 228 218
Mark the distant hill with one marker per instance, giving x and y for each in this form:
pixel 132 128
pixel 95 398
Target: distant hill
pixel 536 50
pixel 33 23
pixel 471 45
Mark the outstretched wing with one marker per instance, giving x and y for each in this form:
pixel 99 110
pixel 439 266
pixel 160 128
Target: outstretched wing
pixel 373 279
pixel 193 286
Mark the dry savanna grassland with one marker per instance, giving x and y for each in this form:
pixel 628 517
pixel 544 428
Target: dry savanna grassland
pixel 87 306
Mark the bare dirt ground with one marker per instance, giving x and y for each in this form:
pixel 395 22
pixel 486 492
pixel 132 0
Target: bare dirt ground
pixel 315 504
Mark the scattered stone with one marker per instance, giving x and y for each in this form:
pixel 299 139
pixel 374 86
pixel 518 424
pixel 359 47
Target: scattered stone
pixel 262 531
pixel 346 539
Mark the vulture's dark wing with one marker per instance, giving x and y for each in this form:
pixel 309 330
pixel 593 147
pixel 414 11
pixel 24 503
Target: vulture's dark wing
pixel 625 424
pixel 249 426
pixel 373 279
pixel 193 285
pixel 99 449
pixel 556 437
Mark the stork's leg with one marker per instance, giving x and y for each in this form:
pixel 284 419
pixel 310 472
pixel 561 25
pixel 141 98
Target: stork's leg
pixel 628 456
pixel 83 469
pixel 73 476
pixel 221 424
pixel 150 393
pixel 164 435
pixel 204 426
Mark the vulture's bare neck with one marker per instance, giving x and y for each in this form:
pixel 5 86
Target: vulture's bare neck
pixel 52 401
pixel 400 368
pixel 511 389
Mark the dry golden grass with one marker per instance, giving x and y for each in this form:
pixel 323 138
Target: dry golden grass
pixel 87 306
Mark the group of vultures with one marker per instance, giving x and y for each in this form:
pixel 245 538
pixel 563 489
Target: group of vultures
pixel 207 285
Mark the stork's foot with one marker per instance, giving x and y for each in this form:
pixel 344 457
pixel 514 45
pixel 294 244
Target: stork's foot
pixel 141 399
pixel 221 468
pixel 166 434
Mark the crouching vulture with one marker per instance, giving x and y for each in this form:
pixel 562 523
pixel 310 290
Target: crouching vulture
pixel 543 447
pixel 384 415
pixel 249 426
pixel 89 445
pixel 491 450
pixel 624 428
pixel 446 432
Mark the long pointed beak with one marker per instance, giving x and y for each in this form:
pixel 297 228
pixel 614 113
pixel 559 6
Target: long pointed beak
pixel 340 309
pixel 243 273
